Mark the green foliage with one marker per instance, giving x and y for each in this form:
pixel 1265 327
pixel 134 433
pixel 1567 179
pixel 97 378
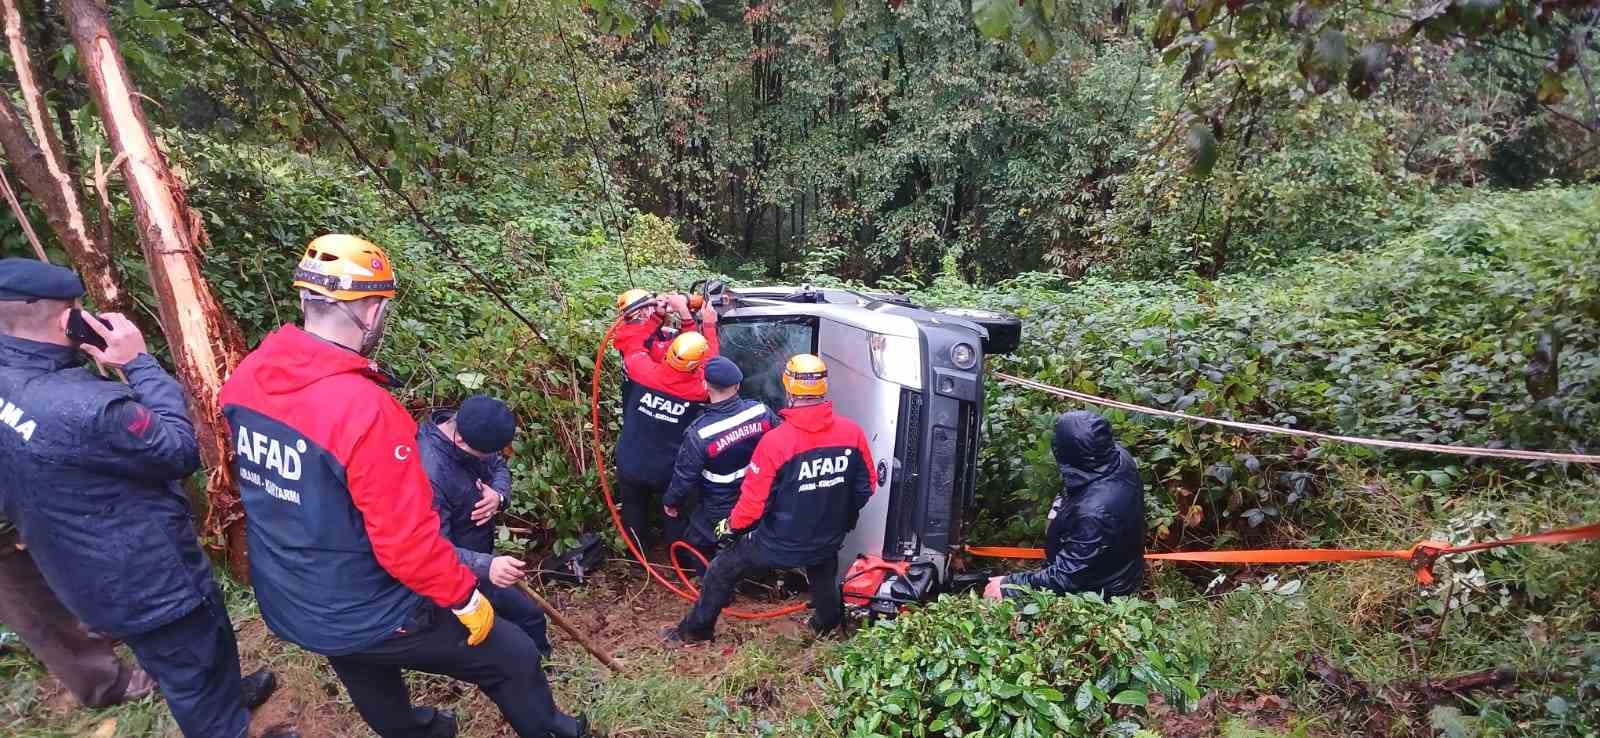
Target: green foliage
pixel 1035 664
pixel 448 337
pixel 1425 339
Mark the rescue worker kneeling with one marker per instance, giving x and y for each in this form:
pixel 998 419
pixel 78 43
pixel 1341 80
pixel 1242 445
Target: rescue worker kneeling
pixel 1095 542
pixel 660 399
pixel 345 550
pixel 804 489
pixel 712 459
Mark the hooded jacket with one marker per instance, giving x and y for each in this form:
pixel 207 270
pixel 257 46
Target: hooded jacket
pixel 658 404
pixel 455 474
pixel 1095 541
pixel 344 541
pixel 92 481
pixel 712 458
pixel 805 485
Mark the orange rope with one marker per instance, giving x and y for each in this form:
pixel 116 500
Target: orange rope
pixel 1422 556
pixel 688 592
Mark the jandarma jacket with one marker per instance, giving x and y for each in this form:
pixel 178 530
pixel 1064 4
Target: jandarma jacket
pixel 92 481
pixel 713 457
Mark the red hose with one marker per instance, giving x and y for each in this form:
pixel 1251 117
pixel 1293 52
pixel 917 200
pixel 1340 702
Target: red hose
pixel 688 592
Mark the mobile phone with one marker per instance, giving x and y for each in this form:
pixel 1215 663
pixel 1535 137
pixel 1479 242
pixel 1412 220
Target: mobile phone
pixel 79 331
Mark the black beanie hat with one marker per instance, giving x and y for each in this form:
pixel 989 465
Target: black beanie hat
pixel 486 424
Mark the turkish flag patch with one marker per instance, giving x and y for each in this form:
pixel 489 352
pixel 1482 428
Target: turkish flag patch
pixel 140 424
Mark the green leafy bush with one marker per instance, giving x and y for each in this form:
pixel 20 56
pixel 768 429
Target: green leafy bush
pixel 1033 665
pixel 1427 338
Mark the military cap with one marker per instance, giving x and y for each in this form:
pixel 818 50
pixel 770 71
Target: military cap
pixel 31 279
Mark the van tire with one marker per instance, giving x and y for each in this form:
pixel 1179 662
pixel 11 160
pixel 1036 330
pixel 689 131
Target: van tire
pixel 1005 329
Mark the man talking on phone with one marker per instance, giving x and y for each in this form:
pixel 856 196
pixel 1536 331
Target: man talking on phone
pixel 93 482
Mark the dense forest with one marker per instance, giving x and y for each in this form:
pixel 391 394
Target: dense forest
pixel 1374 219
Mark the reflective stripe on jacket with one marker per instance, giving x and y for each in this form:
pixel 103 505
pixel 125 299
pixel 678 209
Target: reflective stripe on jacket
pixel 712 458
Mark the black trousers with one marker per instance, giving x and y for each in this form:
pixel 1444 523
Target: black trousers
pixel 747 557
pixel 195 662
pixel 505 666
pixel 641 506
pixel 513 607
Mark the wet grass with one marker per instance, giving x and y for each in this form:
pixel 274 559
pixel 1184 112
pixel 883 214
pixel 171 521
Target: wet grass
pixel 1534 610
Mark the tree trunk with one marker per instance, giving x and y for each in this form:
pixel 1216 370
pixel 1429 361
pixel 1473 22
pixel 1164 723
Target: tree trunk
pixel 206 343
pixel 44 172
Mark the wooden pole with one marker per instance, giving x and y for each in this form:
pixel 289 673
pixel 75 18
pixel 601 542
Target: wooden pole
pixel 555 617
pixel 206 344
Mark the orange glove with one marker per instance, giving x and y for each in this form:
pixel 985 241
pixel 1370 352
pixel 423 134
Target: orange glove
pixel 478 616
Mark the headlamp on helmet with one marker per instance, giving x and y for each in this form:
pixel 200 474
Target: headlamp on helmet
pixel 806 375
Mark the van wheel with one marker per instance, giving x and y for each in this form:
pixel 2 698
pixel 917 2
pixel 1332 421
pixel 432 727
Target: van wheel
pixel 1005 330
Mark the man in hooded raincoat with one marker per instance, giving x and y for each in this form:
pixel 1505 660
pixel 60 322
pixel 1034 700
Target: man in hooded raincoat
pixel 1095 541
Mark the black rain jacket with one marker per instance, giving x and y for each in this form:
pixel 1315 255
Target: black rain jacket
pixel 1095 542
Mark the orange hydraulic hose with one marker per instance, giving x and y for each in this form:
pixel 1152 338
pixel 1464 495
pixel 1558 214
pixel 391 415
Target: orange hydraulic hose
pixel 688 591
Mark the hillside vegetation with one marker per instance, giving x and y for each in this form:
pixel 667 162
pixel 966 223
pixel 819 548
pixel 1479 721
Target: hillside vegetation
pixel 1374 220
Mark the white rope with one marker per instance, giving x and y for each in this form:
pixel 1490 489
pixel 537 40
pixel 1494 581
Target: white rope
pixel 1499 453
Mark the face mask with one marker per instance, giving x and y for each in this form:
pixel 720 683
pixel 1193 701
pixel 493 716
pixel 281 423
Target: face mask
pixel 372 335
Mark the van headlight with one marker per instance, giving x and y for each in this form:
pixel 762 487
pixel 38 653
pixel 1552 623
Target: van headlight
pixel 964 356
pixel 896 359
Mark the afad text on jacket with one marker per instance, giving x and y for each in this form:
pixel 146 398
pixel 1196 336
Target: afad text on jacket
pixel 344 540
pixel 806 485
pixel 658 404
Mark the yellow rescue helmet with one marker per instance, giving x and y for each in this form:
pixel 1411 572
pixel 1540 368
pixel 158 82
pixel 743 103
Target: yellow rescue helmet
pixel 806 375
pixel 345 267
pixel 633 301
pixel 688 352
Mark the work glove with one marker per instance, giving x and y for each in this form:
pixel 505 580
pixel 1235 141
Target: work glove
pixel 478 616
pixel 724 532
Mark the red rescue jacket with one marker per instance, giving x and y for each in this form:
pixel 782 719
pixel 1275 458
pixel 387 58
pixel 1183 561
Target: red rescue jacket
pixel 342 531
pixel 805 485
pixel 658 404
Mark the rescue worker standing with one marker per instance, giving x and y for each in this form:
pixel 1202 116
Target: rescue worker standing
pixel 345 550
pixel 712 459
pixel 1095 542
pixel 93 483
pixel 659 400
pixel 471 485
pixel 804 490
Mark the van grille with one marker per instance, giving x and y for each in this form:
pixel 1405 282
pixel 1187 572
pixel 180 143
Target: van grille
pixel 903 513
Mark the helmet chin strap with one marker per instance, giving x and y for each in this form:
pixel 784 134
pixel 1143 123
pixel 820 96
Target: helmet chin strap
pixel 371 333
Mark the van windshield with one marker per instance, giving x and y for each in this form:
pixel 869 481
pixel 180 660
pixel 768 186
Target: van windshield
pixel 761 346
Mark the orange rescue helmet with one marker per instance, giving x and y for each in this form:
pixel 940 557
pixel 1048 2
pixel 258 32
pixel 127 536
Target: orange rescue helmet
pixel 632 301
pixel 806 375
pixel 688 352
pixel 344 267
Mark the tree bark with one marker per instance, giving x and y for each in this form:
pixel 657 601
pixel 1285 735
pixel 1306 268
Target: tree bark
pixel 44 172
pixel 206 343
